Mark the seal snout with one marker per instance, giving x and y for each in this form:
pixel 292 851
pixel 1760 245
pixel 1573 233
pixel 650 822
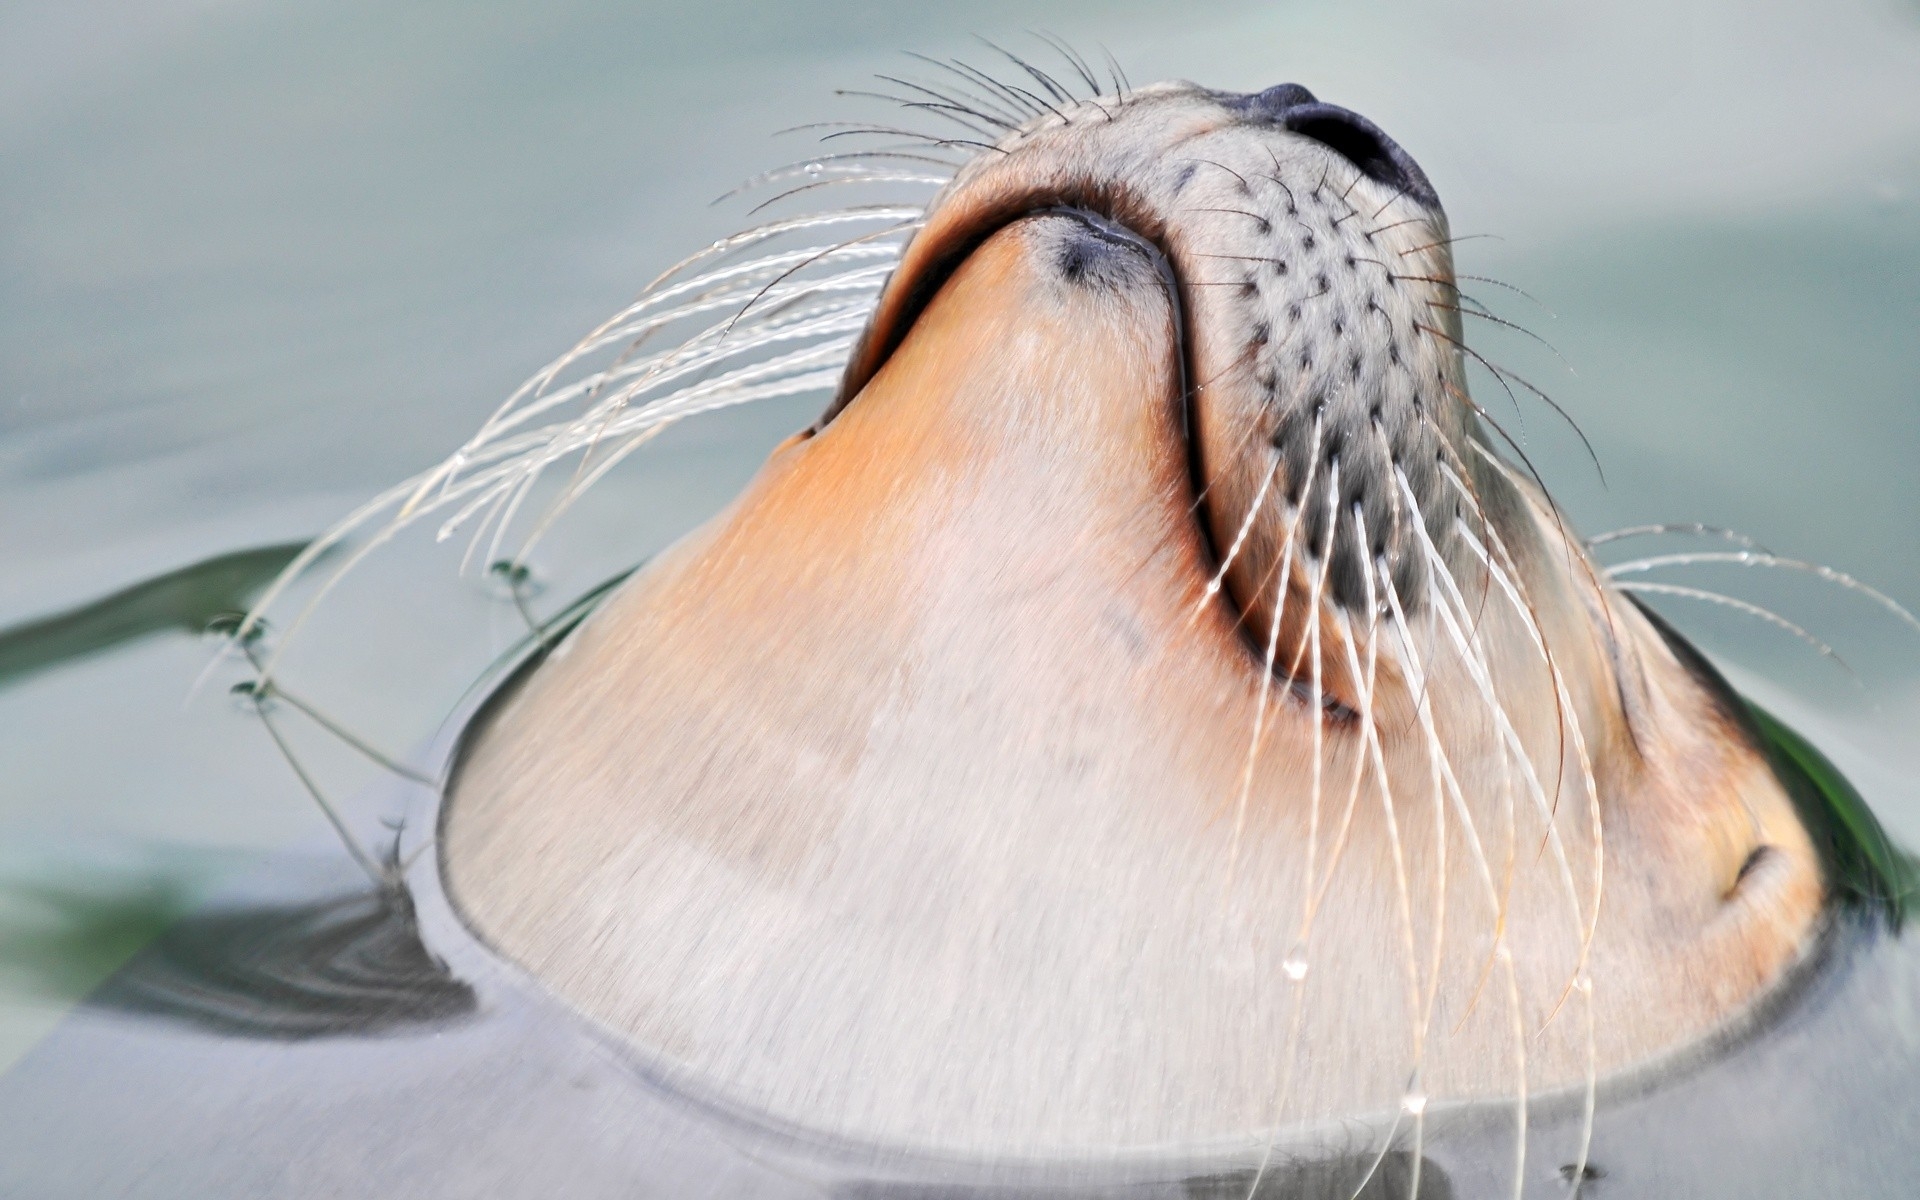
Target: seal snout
pixel 1346 133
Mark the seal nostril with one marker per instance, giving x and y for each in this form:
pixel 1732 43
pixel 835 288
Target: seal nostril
pixel 1346 133
pixel 1361 143
pixel 1282 97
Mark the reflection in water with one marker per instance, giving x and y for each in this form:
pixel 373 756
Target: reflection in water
pixel 348 964
pixel 1864 866
pixel 183 601
pixel 1398 1175
pixel 1365 1176
pixel 58 942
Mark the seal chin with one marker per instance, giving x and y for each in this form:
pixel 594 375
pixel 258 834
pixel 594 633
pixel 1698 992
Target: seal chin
pixel 1144 684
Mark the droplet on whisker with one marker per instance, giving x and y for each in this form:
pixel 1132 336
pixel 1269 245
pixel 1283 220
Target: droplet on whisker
pixel 1295 966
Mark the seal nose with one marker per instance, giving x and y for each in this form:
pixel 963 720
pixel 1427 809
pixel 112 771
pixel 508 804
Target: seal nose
pixel 1346 133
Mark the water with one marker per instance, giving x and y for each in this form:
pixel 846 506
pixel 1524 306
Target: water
pixel 257 261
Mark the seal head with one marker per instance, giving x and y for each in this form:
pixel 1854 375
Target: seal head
pixel 1146 708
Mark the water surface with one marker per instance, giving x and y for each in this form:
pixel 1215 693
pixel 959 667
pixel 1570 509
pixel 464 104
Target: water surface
pixel 259 260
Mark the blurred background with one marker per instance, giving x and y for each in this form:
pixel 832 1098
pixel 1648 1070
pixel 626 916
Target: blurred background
pixel 259 260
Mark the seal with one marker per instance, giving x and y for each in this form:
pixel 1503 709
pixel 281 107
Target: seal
pixel 1146 707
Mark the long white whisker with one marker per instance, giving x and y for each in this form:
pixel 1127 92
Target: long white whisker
pixel 1281 578
pixel 1442 765
pixel 1478 671
pixel 1738 605
pixel 1581 981
pixel 1295 964
pixel 1370 735
pixel 1239 538
pixel 1694 528
pixel 1755 558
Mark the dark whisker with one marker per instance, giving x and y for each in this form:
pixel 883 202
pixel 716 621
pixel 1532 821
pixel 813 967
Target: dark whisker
pixel 1397 224
pixel 1465 237
pixel 1483 314
pixel 1501 375
pixel 1035 97
pixel 990 101
pixel 1293 205
pixel 1040 77
pixel 963 101
pixel 882 131
pixel 939 108
pixel 1073 58
pixel 1018 97
pixel 1247 187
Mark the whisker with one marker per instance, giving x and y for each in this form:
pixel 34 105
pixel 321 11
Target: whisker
pixel 1479 671
pixel 1017 97
pixel 365 861
pixel 1121 84
pixel 1481 311
pixel 1738 605
pixel 843 162
pixel 1690 527
pixel 1754 558
pixel 1467 237
pixel 971 101
pixel 958 114
pixel 1073 57
pixel 1016 115
pixel 1239 538
pixel 1040 77
pixel 1442 767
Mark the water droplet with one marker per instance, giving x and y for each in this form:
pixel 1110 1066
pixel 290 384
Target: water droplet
pixel 1295 966
pixel 1583 983
pixel 814 168
pixel 510 580
pixel 252 696
pixel 1414 1103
